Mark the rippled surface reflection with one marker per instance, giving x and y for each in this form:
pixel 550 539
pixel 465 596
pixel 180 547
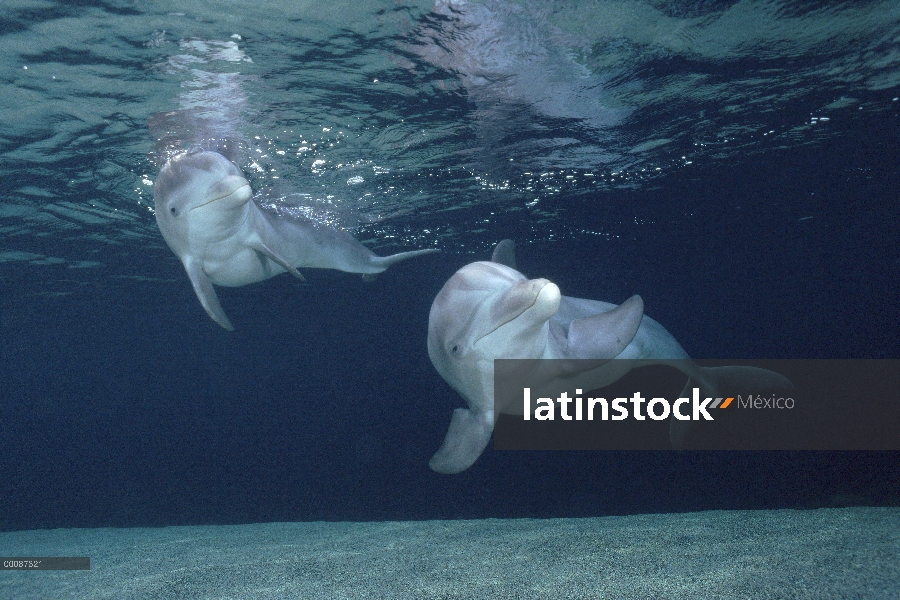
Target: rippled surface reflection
pixel 413 124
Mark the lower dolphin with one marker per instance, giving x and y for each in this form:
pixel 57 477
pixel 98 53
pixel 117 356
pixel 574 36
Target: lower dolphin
pixel 489 310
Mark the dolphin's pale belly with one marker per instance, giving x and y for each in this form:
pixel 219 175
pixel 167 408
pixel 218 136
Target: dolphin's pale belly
pixel 234 265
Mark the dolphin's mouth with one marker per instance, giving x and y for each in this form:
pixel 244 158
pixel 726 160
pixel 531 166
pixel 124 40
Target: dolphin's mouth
pixel 224 195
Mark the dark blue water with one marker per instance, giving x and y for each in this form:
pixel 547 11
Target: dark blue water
pixel 126 406
pixel 123 404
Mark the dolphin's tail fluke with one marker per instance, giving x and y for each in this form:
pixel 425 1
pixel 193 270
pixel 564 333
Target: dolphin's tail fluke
pixel 466 439
pixel 720 382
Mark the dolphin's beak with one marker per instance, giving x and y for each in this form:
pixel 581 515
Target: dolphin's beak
pixel 540 295
pixel 234 189
pixel 547 302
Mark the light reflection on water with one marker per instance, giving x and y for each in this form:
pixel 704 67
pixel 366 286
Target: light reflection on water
pixel 415 122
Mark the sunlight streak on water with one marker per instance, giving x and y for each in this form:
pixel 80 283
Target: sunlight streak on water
pixel 418 118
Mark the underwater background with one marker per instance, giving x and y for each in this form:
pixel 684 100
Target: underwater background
pixel 734 163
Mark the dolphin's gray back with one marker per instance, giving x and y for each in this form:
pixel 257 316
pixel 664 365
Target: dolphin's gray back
pixel 305 243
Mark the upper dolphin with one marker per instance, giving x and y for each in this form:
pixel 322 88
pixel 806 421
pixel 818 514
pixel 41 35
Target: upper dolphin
pixel 205 211
pixel 489 310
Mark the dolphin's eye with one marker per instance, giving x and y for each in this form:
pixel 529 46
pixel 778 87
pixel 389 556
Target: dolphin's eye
pixel 455 349
pixel 174 211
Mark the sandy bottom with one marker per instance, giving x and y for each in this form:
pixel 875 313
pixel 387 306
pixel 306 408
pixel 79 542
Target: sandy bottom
pixel 827 553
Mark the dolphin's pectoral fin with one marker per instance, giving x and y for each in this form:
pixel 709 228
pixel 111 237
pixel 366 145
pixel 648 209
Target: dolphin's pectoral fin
pixel 466 439
pixel 505 253
pixel 260 246
pixel 605 335
pixel 203 287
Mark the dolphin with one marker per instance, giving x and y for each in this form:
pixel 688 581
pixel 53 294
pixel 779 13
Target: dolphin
pixel 489 310
pixel 206 213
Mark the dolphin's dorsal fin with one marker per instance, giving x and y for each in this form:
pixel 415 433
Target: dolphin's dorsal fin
pixel 505 253
pixel 260 246
pixel 203 287
pixel 605 335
